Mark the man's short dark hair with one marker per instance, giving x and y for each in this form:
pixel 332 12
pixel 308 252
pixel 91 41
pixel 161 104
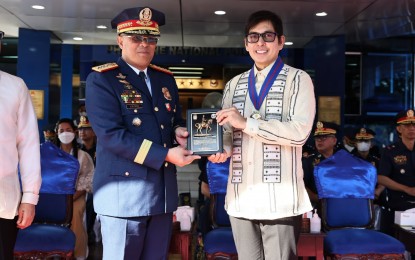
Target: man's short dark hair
pixel 264 15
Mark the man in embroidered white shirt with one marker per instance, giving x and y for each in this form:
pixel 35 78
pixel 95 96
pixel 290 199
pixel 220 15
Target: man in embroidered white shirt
pixel 19 148
pixel 267 115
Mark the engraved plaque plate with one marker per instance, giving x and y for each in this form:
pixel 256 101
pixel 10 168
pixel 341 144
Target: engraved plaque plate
pixel 205 134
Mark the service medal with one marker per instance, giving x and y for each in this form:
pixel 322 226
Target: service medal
pixel 256 115
pixel 136 121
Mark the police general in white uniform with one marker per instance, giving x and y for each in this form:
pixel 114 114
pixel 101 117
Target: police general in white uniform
pixel 134 110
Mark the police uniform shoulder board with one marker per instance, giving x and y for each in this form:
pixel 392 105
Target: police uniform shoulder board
pixel 105 67
pixel 160 69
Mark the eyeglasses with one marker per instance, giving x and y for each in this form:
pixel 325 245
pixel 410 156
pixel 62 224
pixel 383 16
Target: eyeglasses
pixel 139 39
pixel 1 35
pixel 408 125
pixel 321 138
pixel 266 36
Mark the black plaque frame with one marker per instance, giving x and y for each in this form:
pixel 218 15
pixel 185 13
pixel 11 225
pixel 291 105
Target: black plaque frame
pixel 205 134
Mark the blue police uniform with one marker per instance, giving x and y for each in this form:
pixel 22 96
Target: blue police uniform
pixel 398 164
pixel 134 185
pixel 134 130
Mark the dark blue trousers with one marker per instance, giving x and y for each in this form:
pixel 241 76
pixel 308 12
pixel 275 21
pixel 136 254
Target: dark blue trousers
pixel 141 238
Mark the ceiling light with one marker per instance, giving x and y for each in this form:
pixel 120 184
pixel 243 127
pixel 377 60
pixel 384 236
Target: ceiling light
pixel 220 12
pixel 102 26
pixel 77 38
pixel 288 43
pixel 321 14
pixel 38 7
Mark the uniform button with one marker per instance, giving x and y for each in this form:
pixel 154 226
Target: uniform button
pixel 165 145
pixel 135 110
pixel 162 126
pixel 127 174
pixel 156 109
pixel 166 164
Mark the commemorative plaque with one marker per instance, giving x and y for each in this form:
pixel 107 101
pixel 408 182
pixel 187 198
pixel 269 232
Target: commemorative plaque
pixel 205 134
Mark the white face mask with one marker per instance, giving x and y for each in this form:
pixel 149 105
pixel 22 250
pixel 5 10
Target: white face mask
pixel 363 146
pixel 66 137
pixel 348 147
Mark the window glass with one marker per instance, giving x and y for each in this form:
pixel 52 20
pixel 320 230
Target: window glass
pixel 387 83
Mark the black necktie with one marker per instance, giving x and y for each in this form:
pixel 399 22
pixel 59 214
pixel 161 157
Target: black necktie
pixel 142 75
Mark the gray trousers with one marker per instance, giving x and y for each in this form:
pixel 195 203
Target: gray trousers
pixel 266 239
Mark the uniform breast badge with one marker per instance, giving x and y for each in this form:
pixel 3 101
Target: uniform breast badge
pixel 127 84
pixel 400 159
pixel 256 115
pixel 132 99
pixel 166 93
pixel 136 121
pixel 121 76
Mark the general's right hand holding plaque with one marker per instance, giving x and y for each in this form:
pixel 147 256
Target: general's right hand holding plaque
pixel 205 134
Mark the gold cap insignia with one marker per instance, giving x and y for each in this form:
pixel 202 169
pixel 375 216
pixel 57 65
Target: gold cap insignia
pixel 145 16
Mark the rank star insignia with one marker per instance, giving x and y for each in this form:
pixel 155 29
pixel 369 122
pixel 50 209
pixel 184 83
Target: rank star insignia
pixel 136 121
pixel 256 115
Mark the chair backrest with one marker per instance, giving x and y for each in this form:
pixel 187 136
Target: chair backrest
pixel 218 214
pixel 347 213
pixel 218 177
pixel 344 175
pixel 59 175
pixel 345 185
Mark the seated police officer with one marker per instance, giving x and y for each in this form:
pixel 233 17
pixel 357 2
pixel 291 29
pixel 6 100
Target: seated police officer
pixel 397 170
pixel 364 142
pixel 325 138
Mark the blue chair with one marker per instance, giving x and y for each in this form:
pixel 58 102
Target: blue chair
pixel 50 234
pixel 346 185
pixel 219 243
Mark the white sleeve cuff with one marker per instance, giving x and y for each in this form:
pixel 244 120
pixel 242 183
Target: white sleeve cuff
pixel 252 126
pixel 30 198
